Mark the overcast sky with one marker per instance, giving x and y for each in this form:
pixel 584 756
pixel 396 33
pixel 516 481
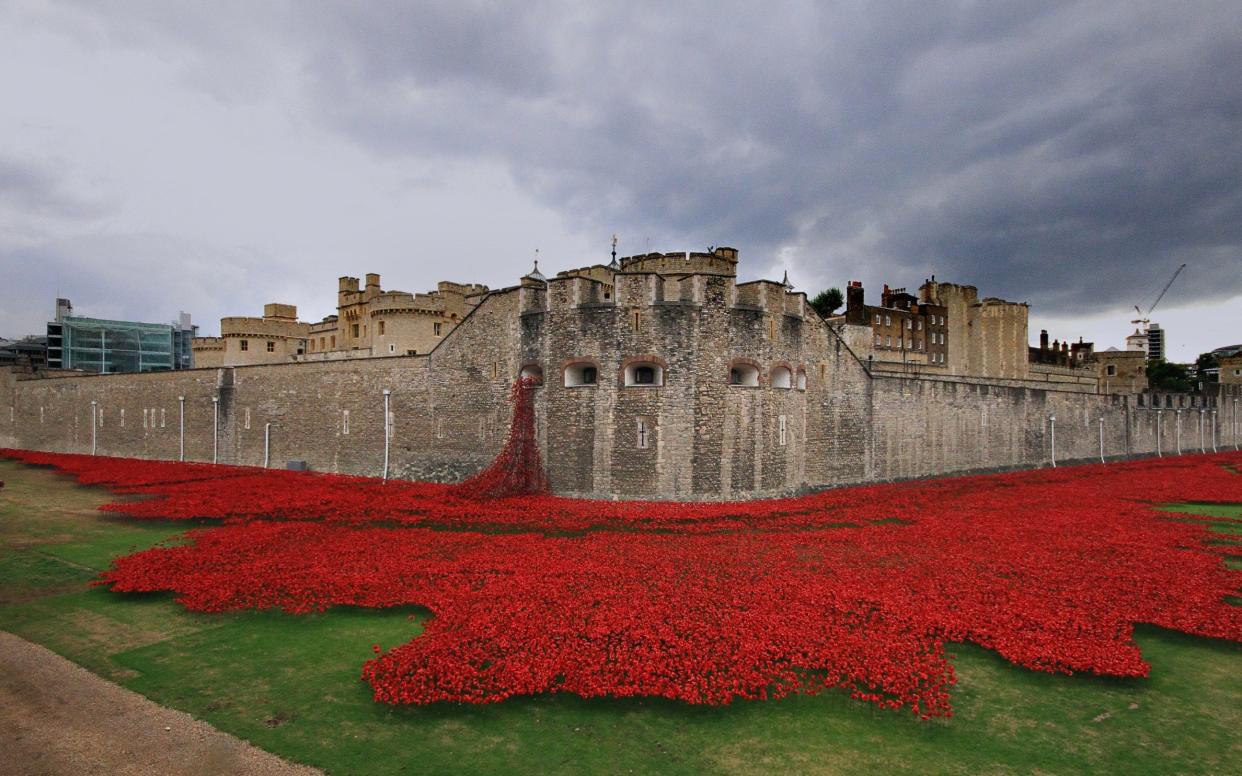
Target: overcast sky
pixel 210 157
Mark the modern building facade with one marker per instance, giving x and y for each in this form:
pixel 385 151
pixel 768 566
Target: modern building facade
pixel 109 346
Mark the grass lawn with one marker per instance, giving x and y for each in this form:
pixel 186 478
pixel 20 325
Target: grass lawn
pixel 291 684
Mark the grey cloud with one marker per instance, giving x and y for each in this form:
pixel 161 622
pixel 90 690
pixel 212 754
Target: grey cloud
pixel 1065 153
pixel 30 189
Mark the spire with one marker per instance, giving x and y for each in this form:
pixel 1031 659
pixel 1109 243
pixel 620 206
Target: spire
pixel 788 286
pixel 535 274
pixel 614 264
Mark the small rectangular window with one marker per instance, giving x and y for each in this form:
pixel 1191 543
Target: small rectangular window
pixel 334 340
pixel 246 419
pixel 345 422
pixel 354 330
pixel 271 346
pixel 877 319
pixel 245 345
pixel 122 417
pixel 781 424
pixel 877 340
pixel 392 348
pixel 1111 370
pixel 436 328
pixel 163 418
pixel 909 324
pixel 381 328
pixel 888 320
pixel 920 325
pixel 144 417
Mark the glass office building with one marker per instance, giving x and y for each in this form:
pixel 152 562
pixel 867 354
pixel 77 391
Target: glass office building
pixel 106 347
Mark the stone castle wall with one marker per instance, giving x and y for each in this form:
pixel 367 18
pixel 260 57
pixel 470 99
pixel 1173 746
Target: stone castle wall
pixel 701 438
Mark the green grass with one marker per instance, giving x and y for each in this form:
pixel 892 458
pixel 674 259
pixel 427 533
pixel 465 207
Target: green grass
pixel 290 685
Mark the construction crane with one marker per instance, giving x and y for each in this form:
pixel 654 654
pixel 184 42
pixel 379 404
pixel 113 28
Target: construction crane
pixel 1145 318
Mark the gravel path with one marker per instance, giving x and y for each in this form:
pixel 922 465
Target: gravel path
pixel 59 718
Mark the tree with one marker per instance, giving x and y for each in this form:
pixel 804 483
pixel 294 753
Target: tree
pixel 1163 376
pixel 1204 362
pixel 827 302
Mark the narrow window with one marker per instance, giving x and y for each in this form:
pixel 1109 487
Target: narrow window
pixel 334 340
pixel 1111 370
pixel 644 434
pixel 345 422
pixel 122 417
pixel 246 420
pixel 781 427
pixel 245 345
pixel 364 331
pixel 878 340
pixel 381 328
pixel 823 369
pixel 40 414
pixel 772 328
pixel 163 418
pixel 888 320
pixel 392 348
pixel 144 417
pixel 436 327
pixel 637 320
pixel 877 319
pixel 101 414
pixel 920 324
pixel 271 346
pixel 353 329
pixel 439 428
pixel 495 369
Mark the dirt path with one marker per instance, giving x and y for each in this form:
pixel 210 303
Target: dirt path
pixel 58 718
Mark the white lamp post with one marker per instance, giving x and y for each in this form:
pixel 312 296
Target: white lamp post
pixel 215 429
pixel 1052 439
pixel 387 397
pixel 181 428
pixel 94 425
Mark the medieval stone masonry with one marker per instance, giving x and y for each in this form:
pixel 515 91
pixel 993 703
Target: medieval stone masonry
pixel 662 377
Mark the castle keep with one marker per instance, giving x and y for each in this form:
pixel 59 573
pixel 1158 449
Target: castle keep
pixel 662 377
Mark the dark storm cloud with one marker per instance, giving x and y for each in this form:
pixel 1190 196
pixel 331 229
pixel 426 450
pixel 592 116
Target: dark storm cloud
pixel 1067 154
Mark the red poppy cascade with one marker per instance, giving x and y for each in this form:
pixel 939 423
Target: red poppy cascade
pixel 853 588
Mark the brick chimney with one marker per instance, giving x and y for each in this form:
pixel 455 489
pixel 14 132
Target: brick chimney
pixel 855 310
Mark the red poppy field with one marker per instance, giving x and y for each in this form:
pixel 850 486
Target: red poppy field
pixel 857 588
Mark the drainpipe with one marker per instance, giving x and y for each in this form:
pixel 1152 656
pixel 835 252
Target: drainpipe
pixel 1213 431
pixel 1102 440
pixel 215 429
pixel 1178 413
pixel 267 438
pixel 1052 436
pixel 1159 413
pixel 1202 447
pixel 94 425
pixel 181 428
pixel 387 397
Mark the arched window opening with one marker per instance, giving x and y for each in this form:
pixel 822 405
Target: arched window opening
pixel 744 375
pixel 532 371
pixel 644 374
pixel 801 379
pixel 781 377
pixel 582 374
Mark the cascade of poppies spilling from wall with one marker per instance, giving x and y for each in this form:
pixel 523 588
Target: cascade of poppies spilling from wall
pixel 856 588
pixel 518 469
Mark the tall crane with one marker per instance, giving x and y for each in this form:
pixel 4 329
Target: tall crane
pixel 1145 318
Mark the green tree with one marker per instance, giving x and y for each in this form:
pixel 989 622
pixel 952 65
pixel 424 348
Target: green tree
pixel 827 302
pixel 1163 376
pixel 1204 362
